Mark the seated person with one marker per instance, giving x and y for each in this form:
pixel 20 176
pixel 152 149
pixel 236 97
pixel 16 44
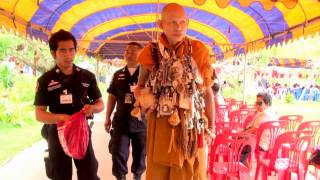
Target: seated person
pixel 315 158
pixel 264 113
pixel 218 98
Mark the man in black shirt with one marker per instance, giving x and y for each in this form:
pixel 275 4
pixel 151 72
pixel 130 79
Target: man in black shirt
pixel 65 89
pixel 125 126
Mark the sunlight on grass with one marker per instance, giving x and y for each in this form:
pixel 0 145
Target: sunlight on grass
pixel 15 139
pixel 309 110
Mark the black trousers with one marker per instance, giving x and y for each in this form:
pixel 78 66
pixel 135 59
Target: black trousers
pixel 119 149
pixel 246 152
pixel 62 164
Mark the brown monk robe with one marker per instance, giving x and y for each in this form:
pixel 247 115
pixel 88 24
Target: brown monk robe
pixel 168 157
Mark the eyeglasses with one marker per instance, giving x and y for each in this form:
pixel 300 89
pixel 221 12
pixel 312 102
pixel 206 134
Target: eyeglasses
pixel 259 103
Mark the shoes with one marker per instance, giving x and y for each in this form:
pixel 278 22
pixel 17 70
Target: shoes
pixel 246 164
pixel 121 177
pixel 136 177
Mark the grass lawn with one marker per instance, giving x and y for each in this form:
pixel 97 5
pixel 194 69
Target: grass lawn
pixel 14 139
pixel 309 110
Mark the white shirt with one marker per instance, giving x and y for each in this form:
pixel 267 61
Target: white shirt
pixel 268 114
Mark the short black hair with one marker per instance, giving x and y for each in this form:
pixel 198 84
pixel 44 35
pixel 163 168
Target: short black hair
pixel 215 87
pixel 58 36
pixel 133 43
pixel 267 99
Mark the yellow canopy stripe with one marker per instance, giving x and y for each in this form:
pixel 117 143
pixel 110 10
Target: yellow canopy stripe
pixel 24 9
pixel 117 23
pixel 235 16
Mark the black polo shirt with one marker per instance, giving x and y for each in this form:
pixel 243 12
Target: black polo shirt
pixel 121 88
pixel 54 88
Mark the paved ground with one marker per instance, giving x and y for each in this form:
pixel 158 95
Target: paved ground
pixel 29 165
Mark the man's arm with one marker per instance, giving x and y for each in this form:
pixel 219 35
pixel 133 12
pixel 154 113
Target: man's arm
pixel 209 106
pixel 142 79
pixel 111 102
pixel 252 130
pixel 97 107
pixel 143 76
pixel 46 117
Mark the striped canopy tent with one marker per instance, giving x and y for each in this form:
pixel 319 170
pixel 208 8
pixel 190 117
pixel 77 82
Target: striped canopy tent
pixel 290 62
pixel 104 27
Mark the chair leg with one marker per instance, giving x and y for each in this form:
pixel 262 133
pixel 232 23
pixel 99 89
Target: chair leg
pixel 216 176
pixel 256 176
pixel 284 174
pixel 264 173
pixel 301 174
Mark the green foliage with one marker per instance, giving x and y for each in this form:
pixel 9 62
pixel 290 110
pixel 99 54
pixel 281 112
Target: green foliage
pixel 5 76
pixel 289 98
pixel 4 46
pixel 16 105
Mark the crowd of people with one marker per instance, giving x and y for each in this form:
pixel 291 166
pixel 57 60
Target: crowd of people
pixel 282 90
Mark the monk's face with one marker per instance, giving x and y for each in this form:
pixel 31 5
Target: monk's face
pixel 174 24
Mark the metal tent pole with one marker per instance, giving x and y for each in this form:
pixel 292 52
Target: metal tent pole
pixel 244 78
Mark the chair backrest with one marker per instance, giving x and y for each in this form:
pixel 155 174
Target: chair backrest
pixel 294 121
pixel 274 128
pixel 235 105
pixel 251 107
pixel 248 121
pixel 297 153
pixel 314 127
pixel 221 113
pixel 228 128
pixel 229 101
pixel 235 144
pixel 239 116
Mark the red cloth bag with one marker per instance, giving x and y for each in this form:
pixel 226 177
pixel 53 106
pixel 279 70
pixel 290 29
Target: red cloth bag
pixel 74 135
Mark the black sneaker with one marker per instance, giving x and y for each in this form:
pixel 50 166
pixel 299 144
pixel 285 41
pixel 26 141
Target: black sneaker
pixel 121 177
pixel 136 177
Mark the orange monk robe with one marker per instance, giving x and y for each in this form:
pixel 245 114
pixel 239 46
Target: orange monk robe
pixel 162 165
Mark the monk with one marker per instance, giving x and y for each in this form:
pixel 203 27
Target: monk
pixel 174 92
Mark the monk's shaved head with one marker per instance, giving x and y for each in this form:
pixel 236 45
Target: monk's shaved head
pixel 172 8
pixel 173 22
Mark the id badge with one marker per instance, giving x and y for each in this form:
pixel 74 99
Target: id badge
pixel 66 99
pixel 133 87
pixel 128 98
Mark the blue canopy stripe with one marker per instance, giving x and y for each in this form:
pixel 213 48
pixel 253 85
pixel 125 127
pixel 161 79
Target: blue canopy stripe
pixel 131 28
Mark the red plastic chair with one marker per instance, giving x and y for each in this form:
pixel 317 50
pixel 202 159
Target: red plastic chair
pixel 231 166
pixel 228 128
pixel 294 121
pixel 293 161
pixel 221 113
pixel 314 128
pixel 251 107
pixel 248 121
pixel 228 100
pixel 239 116
pixel 273 128
pixel 235 105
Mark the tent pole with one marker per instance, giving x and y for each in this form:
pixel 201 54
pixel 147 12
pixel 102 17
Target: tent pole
pixel 97 67
pixel 244 78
